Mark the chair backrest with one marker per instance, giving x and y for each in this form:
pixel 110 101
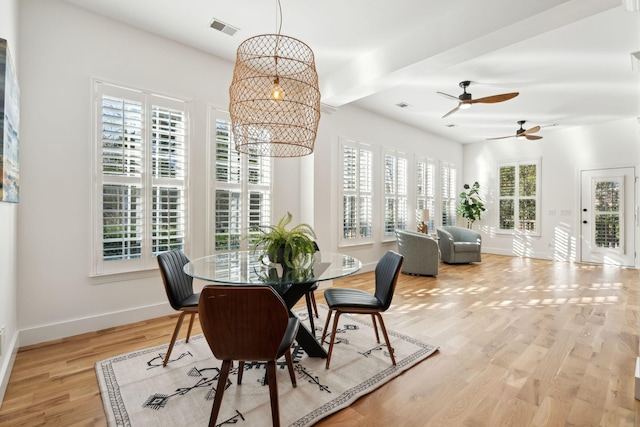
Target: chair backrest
pixel 461 234
pixel 413 238
pixel 177 283
pixel 387 272
pixel 243 322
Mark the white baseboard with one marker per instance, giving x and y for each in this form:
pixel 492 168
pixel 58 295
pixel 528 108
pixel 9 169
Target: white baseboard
pixel 507 252
pixel 7 367
pixel 83 325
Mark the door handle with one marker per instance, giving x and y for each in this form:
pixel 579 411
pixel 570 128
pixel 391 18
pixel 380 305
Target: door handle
pixel 584 222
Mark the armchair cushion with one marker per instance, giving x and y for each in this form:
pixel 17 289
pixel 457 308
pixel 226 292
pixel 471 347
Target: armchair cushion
pixel 420 251
pixel 459 245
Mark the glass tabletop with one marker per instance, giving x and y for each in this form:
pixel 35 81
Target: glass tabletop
pixel 252 268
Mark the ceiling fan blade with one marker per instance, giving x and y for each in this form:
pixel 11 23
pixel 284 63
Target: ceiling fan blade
pixel 452 111
pixel 532 137
pixel 446 95
pixel 532 130
pixel 495 98
pixel 501 137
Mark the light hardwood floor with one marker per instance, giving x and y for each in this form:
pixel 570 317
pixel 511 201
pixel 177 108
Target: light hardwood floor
pixel 523 342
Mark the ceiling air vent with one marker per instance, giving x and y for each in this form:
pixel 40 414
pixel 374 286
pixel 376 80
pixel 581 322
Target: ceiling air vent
pixel 216 24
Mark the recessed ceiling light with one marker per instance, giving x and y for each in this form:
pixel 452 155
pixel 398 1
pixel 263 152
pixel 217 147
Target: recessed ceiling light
pixel 223 27
pixel 402 105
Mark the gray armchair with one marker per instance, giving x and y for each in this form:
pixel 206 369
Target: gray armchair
pixel 420 253
pixel 459 245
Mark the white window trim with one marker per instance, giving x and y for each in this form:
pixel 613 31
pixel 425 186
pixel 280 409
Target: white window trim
pixel 342 241
pixel 517 164
pixel 147 261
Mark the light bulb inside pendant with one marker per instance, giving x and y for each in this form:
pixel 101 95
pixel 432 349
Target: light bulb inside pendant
pixel 277 94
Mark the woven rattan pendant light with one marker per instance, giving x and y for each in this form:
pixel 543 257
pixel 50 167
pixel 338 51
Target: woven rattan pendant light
pixel 274 96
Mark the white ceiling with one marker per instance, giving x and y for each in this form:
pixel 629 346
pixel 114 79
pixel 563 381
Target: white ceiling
pixel 570 60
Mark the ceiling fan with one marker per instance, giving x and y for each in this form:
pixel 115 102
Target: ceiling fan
pixel 465 99
pixel 522 133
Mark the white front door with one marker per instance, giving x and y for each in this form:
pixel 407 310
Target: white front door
pixel 607 219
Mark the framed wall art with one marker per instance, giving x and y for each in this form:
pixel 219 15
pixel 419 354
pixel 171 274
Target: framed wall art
pixel 9 125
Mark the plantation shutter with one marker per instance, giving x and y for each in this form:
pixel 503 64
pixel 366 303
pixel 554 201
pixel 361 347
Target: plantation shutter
pixel 242 193
pixel 169 171
pixel 121 165
pixel 141 178
pixel 356 192
pixel 448 194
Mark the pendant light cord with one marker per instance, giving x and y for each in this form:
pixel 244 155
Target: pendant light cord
pixel 279 27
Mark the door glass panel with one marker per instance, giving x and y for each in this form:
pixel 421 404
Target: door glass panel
pixel 607 213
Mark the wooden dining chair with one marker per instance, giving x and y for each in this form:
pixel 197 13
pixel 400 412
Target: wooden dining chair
pixel 247 323
pixel 179 288
pixel 357 301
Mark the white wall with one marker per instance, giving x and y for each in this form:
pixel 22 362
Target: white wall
pixel 8 229
pixel 563 154
pixel 62 49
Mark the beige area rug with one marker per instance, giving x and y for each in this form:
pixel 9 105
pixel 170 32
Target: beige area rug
pixel 137 391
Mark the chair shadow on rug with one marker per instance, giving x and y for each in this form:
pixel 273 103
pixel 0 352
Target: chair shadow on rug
pixel 357 301
pixel 247 323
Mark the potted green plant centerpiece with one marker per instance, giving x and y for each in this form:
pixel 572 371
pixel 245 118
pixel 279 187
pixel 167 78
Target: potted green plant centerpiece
pixel 471 206
pixel 286 246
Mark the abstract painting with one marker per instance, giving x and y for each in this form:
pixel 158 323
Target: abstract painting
pixel 9 125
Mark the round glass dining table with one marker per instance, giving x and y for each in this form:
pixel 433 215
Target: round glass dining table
pixel 253 268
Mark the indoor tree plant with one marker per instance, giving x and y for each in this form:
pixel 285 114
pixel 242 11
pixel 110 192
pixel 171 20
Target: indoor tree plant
pixel 471 205
pixel 285 246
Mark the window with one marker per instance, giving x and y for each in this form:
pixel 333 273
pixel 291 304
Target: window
pixel 395 193
pixel 140 194
pixel 518 197
pixel 241 191
pixel 357 194
pixel 608 201
pixel 425 188
pixel 449 195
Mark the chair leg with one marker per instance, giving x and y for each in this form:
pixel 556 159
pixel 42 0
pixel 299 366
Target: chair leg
pixel 273 392
pixel 193 316
pixel 326 326
pixel 333 337
pixel 217 400
pixel 311 323
pixel 375 326
pixel 315 306
pixel 240 371
pixel 386 338
pixel 292 373
pixel 173 338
